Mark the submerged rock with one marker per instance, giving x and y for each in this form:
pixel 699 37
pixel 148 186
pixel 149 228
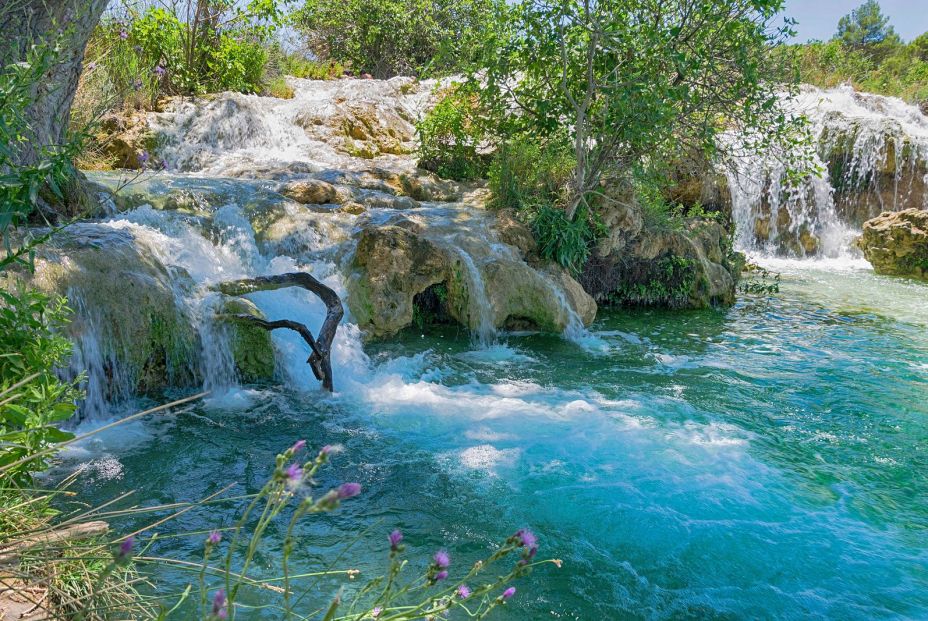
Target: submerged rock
pixel 896 243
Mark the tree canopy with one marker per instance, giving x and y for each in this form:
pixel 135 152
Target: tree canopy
pixel 865 25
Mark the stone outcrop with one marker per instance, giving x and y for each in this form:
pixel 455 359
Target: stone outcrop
pixel 129 320
pixel 641 263
pixel 483 288
pixel 896 243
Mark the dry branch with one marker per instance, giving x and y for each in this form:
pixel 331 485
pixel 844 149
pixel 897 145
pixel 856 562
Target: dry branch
pixel 321 346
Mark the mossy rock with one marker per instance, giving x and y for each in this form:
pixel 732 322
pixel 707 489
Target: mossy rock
pixel 252 347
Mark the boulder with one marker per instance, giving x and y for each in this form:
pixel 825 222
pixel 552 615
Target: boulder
pixel 399 264
pixel 310 192
pixel 896 243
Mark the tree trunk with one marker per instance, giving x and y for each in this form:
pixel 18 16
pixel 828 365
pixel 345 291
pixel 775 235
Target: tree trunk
pixel 24 23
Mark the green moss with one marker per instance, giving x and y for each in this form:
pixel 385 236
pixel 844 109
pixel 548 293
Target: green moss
pixel 252 347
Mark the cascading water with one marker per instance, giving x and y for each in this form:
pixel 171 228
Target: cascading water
pixel 870 154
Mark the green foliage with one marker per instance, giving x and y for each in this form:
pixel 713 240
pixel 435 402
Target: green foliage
pixel 33 399
pixel 865 27
pixel 667 282
pixel 396 37
pixel 527 173
pixel 298 66
pixel 867 53
pixel 638 80
pixel 451 138
pixel 760 281
pixel 561 239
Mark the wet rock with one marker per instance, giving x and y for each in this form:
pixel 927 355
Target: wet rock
pixel 127 140
pixel 653 265
pixel 514 232
pixel 310 191
pixel 252 348
pixel 896 243
pixel 483 288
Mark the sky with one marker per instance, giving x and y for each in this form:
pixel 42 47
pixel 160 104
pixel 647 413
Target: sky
pixel 818 19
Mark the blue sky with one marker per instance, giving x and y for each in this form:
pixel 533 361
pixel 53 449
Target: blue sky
pixel 818 19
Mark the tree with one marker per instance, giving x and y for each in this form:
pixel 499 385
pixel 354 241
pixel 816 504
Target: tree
pixel 63 26
pixel 636 82
pixel 395 37
pixel 866 26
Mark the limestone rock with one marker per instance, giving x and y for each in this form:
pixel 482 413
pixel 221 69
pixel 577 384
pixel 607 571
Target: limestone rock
pixel 391 265
pixel 310 191
pixel 896 243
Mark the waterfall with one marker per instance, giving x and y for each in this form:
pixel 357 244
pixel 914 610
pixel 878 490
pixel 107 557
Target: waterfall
pixel 217 215
pixel 868 154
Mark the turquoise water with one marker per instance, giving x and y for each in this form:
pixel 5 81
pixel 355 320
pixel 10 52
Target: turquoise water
pixel 765 461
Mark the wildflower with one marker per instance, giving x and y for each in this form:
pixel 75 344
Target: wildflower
pixel 376 612
pixel 463 591
pixel 348 490
pixel 214 538
pixel 293 474
pixel 136 84
pixel 298 446
pixel 395 538
pixel 137 48
pixel 527 539
pixel 219 605
pixel 91 66
pixel 442 560
pixel 125 550
pixel 123 35
pixel 143 158
pixel 441 575
pixel 509 592
pixel 159 71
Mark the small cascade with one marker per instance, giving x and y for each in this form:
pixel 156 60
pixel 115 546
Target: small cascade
pixel 868 154
pixel 479 309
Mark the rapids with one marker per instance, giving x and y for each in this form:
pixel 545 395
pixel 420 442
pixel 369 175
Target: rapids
pixel 763 461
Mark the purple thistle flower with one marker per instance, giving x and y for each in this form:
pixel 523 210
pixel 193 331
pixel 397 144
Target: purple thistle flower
pixel 442 560
pixel 325 450
pixel 159 71
pixel 125 548
pixel 214 538
pixel 527 538
pixel 509 592
pixel 293 473
pixel 136 84
pixel 441 575
pixel 123 35
pixel 298 446
pixel 348 490
pixel 395 538
pixel 463 591
pixel 91 66
pixel 143 158
pixel 376 612
pixel 219 604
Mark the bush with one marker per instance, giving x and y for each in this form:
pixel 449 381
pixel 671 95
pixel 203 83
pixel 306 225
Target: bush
pixel 32 398
pixel 526 173
pixel 562 240
pixel 396 37
pixel 452 138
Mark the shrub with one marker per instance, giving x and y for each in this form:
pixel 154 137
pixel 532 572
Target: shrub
pixel 526 173
pixel 34 400
pixel 278 87
pixel 561 239
pixel 396 37
pixel 452 138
